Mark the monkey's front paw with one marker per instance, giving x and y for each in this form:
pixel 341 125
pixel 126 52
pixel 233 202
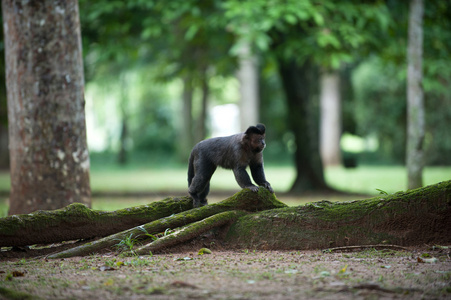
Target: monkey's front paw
pixel 268 187
pixel 252 188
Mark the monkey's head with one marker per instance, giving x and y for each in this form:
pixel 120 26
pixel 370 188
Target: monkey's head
pixel 255 138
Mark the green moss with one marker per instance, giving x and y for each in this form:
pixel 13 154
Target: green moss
pixel 49 226
pixel 387 218
pixel 190 231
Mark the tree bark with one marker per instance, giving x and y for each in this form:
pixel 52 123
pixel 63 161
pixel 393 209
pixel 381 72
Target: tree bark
pixel 4 152
pixel 330 117
pixel 47 134
pixel 303 122
pixel 415 99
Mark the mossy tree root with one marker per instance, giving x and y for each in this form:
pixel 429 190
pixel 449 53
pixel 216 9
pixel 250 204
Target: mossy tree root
pixel 245 200
pixel 415 217
pixel 76 221
pixel 190 231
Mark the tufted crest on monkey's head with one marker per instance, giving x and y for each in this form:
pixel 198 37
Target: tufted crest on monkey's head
pixel 259 129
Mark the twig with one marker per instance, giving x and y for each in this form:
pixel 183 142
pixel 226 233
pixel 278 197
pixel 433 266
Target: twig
pixel 359 247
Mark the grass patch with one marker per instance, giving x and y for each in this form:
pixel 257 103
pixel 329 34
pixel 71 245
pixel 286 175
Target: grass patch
pixel 391 179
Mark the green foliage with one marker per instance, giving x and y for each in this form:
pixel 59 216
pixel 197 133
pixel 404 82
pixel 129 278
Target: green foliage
pixel 163 41
pixel 380 106
pixel 329 32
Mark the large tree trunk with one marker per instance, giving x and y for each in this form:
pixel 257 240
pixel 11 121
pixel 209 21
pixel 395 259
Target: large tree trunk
pixel 248 76
pixel 4 152
pixel 303 122
pixel 47 131
pixel 330 116
pixel 415 101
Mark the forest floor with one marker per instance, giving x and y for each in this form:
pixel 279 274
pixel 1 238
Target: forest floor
pixel 418 273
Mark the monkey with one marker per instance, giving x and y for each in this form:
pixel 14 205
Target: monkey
pixel 234 152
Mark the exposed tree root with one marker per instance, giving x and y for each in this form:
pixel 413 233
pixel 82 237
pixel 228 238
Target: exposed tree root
pixel 76 221
pixel 260 221
pixel 244 200
pixel 191 231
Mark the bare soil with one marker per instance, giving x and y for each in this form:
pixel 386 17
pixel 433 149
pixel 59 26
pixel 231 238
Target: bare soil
pixel 238 274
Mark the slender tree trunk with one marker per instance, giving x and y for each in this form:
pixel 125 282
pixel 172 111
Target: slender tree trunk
pixel 303 122
pixel 123 137
pixel 122 155
pixel 330 116
pixel 45 86
pixel 415 101
pixel 248 76
pixel 186 130
pixel 201 132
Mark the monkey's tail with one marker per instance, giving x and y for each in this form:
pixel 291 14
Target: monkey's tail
pixel 190 169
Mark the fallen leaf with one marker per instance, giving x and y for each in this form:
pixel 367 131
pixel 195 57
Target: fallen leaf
pixel 343 270
pixel 17 273
pixel 324 274
pixel 106 268
pixel 182 284
pixel 204 251
pixel 109 282
pixel 120 263
pixel 183 258
pixel 432 260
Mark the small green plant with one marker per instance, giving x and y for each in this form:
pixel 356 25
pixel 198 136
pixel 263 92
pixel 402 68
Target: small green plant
pixel 153 237
pixel 127 243
pixel 382 192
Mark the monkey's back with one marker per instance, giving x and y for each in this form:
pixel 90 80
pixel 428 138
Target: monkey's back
pixel 225 152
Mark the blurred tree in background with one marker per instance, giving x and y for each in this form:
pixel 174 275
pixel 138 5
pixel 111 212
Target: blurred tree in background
pixel 155 69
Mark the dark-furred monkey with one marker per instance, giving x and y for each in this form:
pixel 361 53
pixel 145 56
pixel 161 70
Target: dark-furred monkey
pixel 234 152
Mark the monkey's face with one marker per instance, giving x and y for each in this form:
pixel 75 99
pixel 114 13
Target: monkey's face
pixel 257 142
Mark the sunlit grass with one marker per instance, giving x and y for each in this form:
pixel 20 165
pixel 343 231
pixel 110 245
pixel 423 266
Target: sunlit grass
pixel 364 179
pixel 391 179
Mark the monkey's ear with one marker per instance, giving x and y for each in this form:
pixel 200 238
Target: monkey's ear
pixel 259 129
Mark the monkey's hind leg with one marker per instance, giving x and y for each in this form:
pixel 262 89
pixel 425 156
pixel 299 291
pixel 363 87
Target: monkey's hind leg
pixel 203 195
pixel 199 198
pixel 200 185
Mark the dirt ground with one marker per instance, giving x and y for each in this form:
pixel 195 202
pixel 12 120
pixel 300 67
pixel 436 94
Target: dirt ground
pixel 419 273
